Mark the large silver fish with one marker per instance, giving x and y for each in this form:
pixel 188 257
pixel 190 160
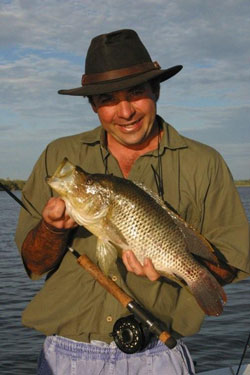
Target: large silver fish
pixel 123 215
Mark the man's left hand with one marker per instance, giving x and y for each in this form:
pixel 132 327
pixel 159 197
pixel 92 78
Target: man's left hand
pixel 133 265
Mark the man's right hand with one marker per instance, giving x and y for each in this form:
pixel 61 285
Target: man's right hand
pixel 45 245
pixel 55 214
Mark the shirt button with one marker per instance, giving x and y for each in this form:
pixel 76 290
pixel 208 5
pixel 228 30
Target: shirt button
pixel 114 278
pixel 109 319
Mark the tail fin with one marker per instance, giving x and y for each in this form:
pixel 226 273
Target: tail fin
pixel 208 293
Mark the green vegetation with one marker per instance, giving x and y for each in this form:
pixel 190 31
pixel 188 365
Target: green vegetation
pixel 242 182
pixel 12 184
pixel 19 184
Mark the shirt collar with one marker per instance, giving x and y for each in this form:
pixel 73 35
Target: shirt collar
pixel 171 139
pixel 96 135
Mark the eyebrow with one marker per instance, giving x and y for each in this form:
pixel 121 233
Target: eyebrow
pixel 104 95
pixel 130 89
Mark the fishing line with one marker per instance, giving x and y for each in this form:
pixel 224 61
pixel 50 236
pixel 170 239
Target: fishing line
pixel 105 161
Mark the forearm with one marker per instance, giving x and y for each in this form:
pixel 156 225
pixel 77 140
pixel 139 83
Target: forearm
pixel 224 273
pixel 44 247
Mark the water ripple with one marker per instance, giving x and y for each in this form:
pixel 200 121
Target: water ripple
pixel 219 343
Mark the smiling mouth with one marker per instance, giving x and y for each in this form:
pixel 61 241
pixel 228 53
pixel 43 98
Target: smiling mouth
pixel 131 124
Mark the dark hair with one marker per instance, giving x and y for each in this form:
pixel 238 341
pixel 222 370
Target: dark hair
pixel 155 86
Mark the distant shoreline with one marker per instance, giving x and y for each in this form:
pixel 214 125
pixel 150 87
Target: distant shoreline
pixel 240 183
pixel 12 184
pixel 19 184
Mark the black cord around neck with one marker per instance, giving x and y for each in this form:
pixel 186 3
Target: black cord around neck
pixel 158 175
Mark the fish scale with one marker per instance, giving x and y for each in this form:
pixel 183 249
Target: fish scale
pixel 123 215
pixel 149 240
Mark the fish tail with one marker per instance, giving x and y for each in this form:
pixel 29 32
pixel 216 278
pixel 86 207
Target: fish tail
pixel 208 293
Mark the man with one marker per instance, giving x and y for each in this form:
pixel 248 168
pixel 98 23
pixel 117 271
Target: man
pixel 72 310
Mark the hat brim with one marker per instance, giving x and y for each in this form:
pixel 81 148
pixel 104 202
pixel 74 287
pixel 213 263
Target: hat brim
pixel 122 83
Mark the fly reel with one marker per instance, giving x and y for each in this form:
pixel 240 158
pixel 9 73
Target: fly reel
pixel 129 335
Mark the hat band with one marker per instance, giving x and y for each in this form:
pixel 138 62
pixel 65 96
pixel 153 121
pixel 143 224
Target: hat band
pixel 119 73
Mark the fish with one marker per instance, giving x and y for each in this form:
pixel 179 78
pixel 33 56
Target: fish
pixel 126 215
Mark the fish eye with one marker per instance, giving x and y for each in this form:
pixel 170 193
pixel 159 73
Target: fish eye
pixel 89 181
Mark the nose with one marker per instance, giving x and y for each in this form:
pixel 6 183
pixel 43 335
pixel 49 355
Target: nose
pixel 125 109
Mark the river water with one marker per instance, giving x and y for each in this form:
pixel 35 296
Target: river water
pixel 219 343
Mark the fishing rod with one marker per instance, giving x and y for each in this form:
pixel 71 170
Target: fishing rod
pixel 243 354
pixel 130 335
pixel 127 334
pixel 13 196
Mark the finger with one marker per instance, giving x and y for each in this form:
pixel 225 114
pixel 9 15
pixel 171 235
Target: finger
pixel 125 258
pixel 54 209
pixel 67 216
pixel 149 270
pixel 55 214
pixel 54 201
pixel 70 223
pixel 58 210
pixel 132 263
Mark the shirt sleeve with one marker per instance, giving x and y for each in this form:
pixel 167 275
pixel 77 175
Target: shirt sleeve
pixel 225 223
pixel 35 195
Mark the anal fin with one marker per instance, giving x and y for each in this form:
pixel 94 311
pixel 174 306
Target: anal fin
pixel 208 293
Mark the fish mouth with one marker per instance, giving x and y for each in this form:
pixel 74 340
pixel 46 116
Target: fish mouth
pixel 64 169
pixel 63 172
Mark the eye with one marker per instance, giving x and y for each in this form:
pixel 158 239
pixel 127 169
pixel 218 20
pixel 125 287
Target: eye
pixel 137 92
pixel 89 181
pixel 105 99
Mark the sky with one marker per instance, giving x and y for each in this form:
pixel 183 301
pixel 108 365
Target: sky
pixel 43 44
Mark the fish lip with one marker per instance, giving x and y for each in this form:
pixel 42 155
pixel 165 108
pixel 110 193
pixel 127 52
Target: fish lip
pixel 64 169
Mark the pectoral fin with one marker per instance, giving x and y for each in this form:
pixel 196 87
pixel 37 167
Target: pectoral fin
pixel 109 244
pixel 106 254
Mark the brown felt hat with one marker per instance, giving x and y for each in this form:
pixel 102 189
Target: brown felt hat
pixel 117 61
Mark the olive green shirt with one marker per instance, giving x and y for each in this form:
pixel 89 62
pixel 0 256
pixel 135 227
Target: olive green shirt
pixel 197 184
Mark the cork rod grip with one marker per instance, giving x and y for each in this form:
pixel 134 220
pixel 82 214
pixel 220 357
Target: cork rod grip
pixel 105 281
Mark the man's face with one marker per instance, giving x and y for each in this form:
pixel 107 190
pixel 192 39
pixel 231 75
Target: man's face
pixel 127 115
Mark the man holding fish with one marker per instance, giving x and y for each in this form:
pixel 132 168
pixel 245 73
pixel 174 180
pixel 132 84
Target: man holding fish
pixel 132 187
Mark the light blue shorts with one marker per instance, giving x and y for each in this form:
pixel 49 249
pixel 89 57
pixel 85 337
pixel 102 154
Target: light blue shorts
pixel 61 356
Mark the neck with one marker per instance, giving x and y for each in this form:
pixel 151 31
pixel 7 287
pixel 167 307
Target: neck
pixel 126 155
